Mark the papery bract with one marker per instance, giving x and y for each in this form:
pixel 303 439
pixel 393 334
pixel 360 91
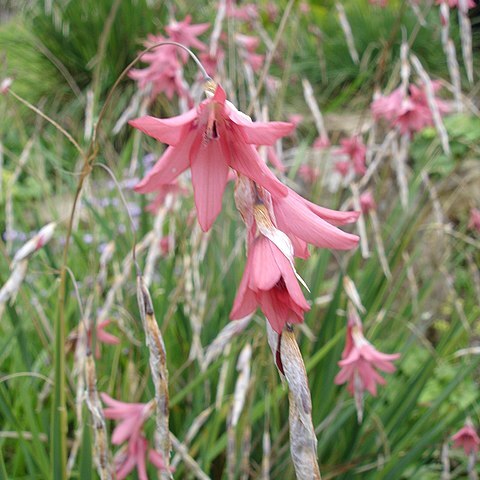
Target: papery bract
pixel 209 140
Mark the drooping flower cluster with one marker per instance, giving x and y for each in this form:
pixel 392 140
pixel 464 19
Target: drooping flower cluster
pixel 409 111
pixel 214 138
pixel 164 73
pixel 360 362
pixel 131 418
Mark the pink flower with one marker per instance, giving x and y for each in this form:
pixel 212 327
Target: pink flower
pixel 367 202
pixel 247 12
pixel 296 119
pixel 321 142
pixel 209 140
pixel 186 34
pixel 255 60
pixel 247 42
pixel 308 173
pixel 132 416
pixel 5 85
pixel 408 111
pixel 134 455
pixel 270 282
pixel 342 167
pixel 474 221
pixel 467 438
pixel 103 337
pixel 454 3
pixel 360 362
pixel 379 3
pixel 356 150
pixel 211 62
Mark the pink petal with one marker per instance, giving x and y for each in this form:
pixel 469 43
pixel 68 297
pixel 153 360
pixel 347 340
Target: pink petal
pixel 292 216
pixel 156 459
pixel 245 159
pixel 277 313
pixel 170 165
pixel 106 337
pixel 265 272
pixel 209 178
pixel 260 133
pixel 126 467
pixel 126 429
pixel 166 130
pixel 245 301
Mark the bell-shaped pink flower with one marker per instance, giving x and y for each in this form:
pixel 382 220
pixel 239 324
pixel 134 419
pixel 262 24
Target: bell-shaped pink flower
pixel 467 438
pixel 132 416
pixel 134 455
pixel 269 281
pixel 209 140
pixel 360 362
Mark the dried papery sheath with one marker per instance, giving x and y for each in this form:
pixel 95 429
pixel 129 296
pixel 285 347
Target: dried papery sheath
pixel 38 241
pixel 158 367
pixel 241 387
pixel 12 285
pixel 224 338
pixel 303 442
pixel 239 396
pixel 466 36
pixel 100 445
pixel 352 294
pixel 347 30
pixel 313 105
pixel 432 103
pixel 400 155
pixel 362 231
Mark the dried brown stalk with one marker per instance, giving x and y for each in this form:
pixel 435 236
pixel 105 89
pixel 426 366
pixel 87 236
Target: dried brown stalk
pixel 303 442
pixel 158 368
pixel 100 444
